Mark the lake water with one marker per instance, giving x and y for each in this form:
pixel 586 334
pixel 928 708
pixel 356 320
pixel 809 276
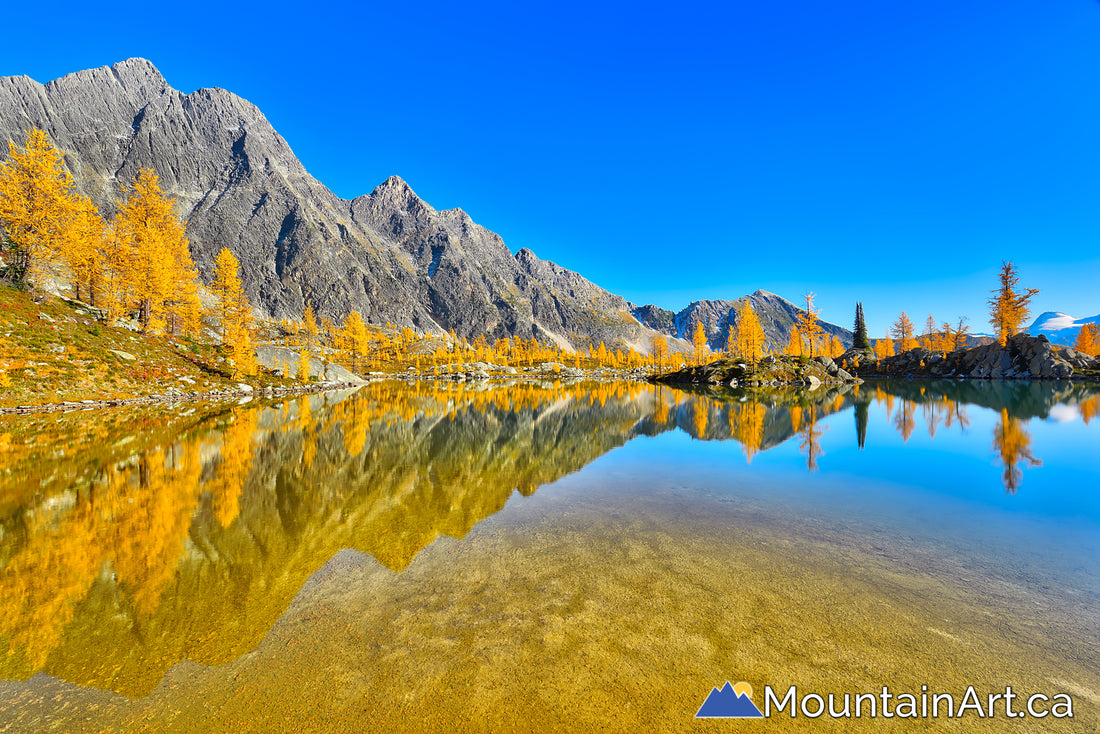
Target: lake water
pixel 549 557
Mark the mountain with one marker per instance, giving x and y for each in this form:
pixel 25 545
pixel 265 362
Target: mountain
pixel 1058 327
pixel 387 254
pixel 777 316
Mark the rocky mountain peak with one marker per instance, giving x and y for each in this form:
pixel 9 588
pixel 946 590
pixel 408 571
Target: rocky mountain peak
pixel 395 193
pixel 388 255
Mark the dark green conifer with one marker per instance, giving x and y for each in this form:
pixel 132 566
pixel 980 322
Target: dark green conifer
pixel 859 336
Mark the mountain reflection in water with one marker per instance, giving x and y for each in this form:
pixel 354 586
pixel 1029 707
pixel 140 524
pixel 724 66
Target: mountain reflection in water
pixel 123 554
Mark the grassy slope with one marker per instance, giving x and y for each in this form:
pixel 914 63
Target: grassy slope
pixel 56 351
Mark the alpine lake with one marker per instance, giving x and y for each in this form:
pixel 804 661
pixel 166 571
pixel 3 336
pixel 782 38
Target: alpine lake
pixel 418 556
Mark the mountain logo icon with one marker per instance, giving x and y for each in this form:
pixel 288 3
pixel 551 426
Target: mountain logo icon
pixel 729 702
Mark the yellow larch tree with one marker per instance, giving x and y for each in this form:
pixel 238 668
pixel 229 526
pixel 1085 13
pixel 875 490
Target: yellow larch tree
pixel 84 244
pixel 309 326
pixel 1007 308
pixel 928 339
pixel 660 350
pixel 699 341
pixel 808 326
pixel 303 364
pixel 354 338
pixel 1088 339
pixel 794 344
pixel 902 331
pixel 884 348
pixel 36 206
pixel 158 263
pixel 750 334
pixel 234 312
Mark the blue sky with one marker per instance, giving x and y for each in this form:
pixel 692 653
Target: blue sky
pixel 893 153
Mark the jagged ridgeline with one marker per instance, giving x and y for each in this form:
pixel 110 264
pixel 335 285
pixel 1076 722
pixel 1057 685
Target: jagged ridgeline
pixel 388 255
pixel 146 548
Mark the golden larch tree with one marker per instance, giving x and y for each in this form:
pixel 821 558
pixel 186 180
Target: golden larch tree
pixel 36 206
pixel 309 325
pixel 354 338
pixel 750 334
pixel 794 344
pixel 84 244
pixel 902 331
pixel 1088 340
pixel 1008 309
pixel 158 264
pixel 659 346
pixel 234 312
pixel 808 326
pixel 699 341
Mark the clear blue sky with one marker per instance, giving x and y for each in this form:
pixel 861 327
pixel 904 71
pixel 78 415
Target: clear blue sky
pixel 889 152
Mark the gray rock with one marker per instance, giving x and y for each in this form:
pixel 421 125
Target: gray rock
pixel 122 355
pixel 387 254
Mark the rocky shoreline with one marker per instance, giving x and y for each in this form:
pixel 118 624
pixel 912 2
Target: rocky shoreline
pixel 171 398
pixel 769 371
pixel 1023 357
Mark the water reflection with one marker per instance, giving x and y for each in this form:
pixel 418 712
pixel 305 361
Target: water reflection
pixel 184 535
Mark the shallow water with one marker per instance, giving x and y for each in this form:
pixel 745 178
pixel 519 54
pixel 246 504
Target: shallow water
pixel 551 557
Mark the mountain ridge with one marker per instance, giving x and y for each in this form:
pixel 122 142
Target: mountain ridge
pixel 1058 327
pixel 387 254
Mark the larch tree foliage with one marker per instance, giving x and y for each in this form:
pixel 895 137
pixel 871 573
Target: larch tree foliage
pixel 36 206
pixel 161 278
pixel 85 243
pixel 1008 309
pixel 859 330
pixel 808 326
pixel 794 343
pixel 309 325
pixel 659 346
pixel 929 335
pixel 750 334
pixel 1088 340
pixel 902 331
pixel 234 313
pixel 699 340
pixel 354 339
pixel 884 348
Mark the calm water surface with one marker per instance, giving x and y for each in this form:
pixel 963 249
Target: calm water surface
pixel 548 557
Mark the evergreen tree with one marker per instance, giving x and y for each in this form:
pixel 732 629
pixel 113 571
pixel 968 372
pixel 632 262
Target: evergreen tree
pixel 859 336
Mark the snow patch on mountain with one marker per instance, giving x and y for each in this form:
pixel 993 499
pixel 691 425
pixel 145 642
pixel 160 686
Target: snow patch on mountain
pixel 1058 327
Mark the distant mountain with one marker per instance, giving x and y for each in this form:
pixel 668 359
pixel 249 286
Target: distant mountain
pixel 777 316
pixel 1058 327
pixel 388 254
